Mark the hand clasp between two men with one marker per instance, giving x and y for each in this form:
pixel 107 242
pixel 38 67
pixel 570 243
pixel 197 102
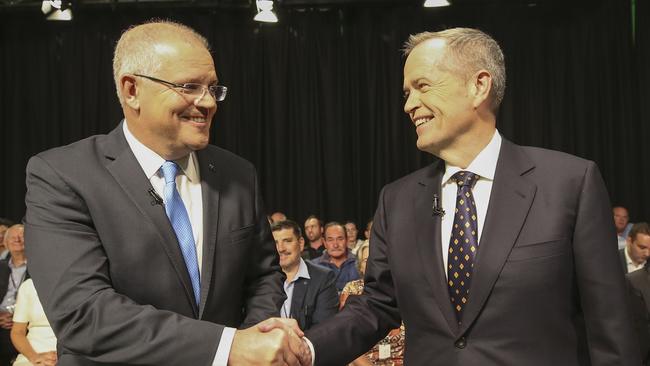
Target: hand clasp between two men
pixel 275 341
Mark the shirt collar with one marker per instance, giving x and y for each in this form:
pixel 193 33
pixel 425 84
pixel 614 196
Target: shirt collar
pixel 484 164
pixel 151 162
pixel 13 266
pixel 303 272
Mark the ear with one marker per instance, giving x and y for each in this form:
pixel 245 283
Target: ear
pixel 480 87
pixel 628 240
pixel 129 91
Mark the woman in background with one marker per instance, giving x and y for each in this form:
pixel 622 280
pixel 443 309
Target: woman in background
pixel 31 333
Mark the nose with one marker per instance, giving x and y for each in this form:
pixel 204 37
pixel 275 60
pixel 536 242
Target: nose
pixel 411 103
pixel 205 100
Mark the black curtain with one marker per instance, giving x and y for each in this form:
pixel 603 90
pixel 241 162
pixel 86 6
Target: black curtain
pixel 315 101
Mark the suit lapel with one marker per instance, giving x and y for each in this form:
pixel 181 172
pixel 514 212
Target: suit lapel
pixel 210 198
pixel 510 200
pixel 126 170
pixel 298 298
pixel 428 239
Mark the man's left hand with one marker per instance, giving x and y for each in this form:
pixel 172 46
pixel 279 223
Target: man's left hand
pixel 6 320
pixel 297 343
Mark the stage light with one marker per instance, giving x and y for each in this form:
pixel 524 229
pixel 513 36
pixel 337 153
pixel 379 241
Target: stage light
pixel 265 12
pixel 435 3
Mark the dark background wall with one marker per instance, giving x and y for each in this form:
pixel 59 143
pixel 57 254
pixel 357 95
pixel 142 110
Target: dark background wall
pixel 315 100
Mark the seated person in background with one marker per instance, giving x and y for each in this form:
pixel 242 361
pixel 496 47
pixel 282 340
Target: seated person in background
pixel 4 225
pixel 622 224
pixel 637 248
pixel 277 217
pixel 31 334
pixel 13 271
pixel 638 286
pixel 363 249
pixel 311 294
pixel 389 351
pixel 337 256
pixel 314 232
pixel 353 233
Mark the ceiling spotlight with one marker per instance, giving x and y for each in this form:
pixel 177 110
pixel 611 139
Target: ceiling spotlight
pixel 53 11
pixel 265 12
pixel 435 3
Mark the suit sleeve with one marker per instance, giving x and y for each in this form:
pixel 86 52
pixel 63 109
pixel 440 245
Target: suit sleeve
pixel 264 294
pixel 71 274
pixel 599 277
pixel 367 318
pixel 327 299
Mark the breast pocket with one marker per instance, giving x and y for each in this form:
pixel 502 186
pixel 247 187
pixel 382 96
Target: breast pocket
pixel 538 250
pixel 242 235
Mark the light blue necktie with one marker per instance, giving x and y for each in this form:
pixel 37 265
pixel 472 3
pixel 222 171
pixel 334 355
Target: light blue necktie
pixel 180 221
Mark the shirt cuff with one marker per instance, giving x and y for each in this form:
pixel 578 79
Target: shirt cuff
pixel 311 349
pixel 223 351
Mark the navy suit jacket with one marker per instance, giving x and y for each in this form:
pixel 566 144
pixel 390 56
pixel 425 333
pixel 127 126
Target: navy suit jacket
pixel 547 286
pixel 314 299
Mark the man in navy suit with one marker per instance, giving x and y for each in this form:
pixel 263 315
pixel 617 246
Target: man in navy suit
pixel 496 254
pixel 310 288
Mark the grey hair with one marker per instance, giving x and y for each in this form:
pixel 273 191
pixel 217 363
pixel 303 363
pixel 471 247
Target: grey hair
pixel 135 53
pixel 469 50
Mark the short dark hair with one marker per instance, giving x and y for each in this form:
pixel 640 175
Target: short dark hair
pixel 639 228
pixel 336 223
pixel 287 224
pixel 320 222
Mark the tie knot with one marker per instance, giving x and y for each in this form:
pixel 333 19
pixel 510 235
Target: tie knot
pixel 169 170
pixel 465 178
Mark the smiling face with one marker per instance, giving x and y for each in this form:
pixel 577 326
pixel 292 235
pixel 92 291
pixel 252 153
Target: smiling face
pixel 438 100
pixel 289 247
pixel 15 240
pixel 163 118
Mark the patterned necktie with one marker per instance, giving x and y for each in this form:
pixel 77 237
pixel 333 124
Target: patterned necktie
pixel 463 243
pixel 180 221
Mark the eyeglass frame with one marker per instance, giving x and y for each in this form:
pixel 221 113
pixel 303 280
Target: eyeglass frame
pixel 185 87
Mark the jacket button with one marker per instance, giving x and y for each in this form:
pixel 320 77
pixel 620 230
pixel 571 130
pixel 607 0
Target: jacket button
pixel 461 343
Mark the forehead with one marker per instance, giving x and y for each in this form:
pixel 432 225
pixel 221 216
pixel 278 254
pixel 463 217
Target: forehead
pixel 284 234
pixel 350 225
pixel 425 57
pixel 334 230
pixel 184 58
pixel 620 211
pixel 642 239
pixel 311 222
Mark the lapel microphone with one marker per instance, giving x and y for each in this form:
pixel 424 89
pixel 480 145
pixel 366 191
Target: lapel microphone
pixel 437 209
pixel 156 199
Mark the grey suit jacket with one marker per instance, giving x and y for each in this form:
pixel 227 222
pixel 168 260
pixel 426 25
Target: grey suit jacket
pixel 107 265
pixel 314 299
pixel 545 281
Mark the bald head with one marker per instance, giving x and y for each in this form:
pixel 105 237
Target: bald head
pixel 140 47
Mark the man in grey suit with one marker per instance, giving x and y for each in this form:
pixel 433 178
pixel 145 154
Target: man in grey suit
pixel 497 254
pixel 310 288
pixel 637 248
pixel 147 245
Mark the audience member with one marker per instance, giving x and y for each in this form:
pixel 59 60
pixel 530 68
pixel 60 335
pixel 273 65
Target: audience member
pixel 363 249
pixel 277 217
pixel 314 233
pixel 337 256
pixel 310 289
pixel 623 225
pixel 637 249
pixel 4 225
pixel 353 233
pixel 13 271
pixel 31 334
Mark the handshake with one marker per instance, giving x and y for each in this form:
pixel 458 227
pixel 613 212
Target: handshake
pixel 275 341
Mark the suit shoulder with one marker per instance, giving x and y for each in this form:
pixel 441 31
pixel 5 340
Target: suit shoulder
pixel 76 150
pixel 638 278
pixel 554 158
pixel 227 158
pixel 422 174
pixel 316 270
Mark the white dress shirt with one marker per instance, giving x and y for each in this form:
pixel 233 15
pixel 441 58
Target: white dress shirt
pixel 484 165
pixel 188 185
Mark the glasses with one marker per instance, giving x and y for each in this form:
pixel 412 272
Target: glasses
pixel 218 92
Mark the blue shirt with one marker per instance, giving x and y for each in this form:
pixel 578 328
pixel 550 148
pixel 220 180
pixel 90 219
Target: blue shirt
pixel 346 273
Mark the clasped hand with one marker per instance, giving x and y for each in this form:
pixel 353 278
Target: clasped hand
pixel 275 341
